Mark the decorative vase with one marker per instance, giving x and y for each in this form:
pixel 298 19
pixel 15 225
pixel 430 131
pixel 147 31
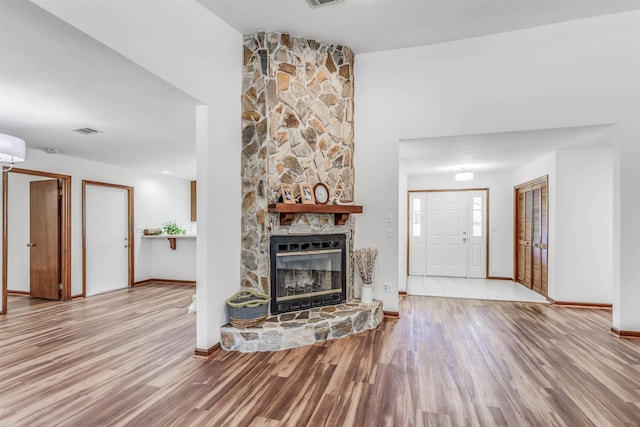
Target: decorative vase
pixel 366 294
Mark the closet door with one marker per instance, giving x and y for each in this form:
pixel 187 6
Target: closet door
pixel 528 228
pixel 544 231
pixel 532 235
pixel 536 258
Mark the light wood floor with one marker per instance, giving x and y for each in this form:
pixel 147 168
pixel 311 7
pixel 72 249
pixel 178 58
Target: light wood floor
pixel 126 358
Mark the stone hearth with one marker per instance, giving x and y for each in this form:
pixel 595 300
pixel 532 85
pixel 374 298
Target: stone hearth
pixel 301 328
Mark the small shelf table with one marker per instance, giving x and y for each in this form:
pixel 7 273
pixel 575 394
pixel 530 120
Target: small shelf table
pixel 170 237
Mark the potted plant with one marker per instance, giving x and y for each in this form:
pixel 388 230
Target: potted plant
pixel 365 261
pixel 173 229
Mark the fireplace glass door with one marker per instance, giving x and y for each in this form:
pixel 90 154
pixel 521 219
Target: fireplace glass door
pixel 308 275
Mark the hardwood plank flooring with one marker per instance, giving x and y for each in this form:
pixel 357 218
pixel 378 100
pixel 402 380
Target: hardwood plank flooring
pixel 126 358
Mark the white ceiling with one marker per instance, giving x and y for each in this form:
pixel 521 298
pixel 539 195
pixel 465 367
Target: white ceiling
pixel 494 152
pixel 376 25
pixel 54 78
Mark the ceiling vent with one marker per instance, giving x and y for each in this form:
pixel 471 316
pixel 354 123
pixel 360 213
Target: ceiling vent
pixel 318 3
pixel 86 131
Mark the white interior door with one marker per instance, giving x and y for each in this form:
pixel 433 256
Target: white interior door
pixel 447 219
pixel 447 233
pixel 107 246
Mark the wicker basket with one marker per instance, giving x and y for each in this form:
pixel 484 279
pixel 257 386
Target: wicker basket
pixel 248 308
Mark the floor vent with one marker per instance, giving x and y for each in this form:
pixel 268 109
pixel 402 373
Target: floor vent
pixel 86 131
pixel 318 3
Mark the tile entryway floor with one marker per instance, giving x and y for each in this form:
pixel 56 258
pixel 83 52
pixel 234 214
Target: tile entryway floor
pixel 458 287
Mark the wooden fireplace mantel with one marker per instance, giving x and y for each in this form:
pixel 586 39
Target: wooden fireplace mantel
pixel 288 211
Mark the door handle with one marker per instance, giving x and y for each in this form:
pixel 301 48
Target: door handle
pixel 464 240
pixel 30 245
pixel 126 246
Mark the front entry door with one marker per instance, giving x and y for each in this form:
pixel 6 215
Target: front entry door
pixel 45 239
pixel 447 236
pixel 447 233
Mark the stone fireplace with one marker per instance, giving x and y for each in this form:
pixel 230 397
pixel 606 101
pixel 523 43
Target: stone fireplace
pixel 297 127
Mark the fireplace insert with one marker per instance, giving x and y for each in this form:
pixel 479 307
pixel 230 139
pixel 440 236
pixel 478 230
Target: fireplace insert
pixel 307 271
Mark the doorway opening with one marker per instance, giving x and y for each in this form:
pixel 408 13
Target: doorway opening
pixel 51 240
pixel 447 233
pixel 107 237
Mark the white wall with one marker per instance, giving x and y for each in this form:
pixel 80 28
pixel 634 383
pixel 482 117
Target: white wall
pixel 500 212
pixel 157 200
pixel 584 221
pixel 179 264
pixel 576 73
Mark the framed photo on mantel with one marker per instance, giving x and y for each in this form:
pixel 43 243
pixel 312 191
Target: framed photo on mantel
pixel 306 195
pixel 287 193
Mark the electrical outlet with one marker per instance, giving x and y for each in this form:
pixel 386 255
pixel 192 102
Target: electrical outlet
pixel 388 232
pixel 387 287
pixel 388 219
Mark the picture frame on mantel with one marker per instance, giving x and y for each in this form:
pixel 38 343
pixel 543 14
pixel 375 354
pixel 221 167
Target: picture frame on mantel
pixel 306 195
pixel 287 193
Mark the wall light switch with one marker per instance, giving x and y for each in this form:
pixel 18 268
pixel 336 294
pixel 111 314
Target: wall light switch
pixel 388 232
pixel 388 219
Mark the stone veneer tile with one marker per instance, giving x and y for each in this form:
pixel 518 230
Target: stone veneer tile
pixel 327 315
pixel 287 316
pixel 321 331
pixel 341 327
pixel 289 325
pixel 302 315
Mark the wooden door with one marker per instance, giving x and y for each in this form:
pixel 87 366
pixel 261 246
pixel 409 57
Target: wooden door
pixel 44 252
pixel 528 216
pixel 540 231
pixel 532 235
